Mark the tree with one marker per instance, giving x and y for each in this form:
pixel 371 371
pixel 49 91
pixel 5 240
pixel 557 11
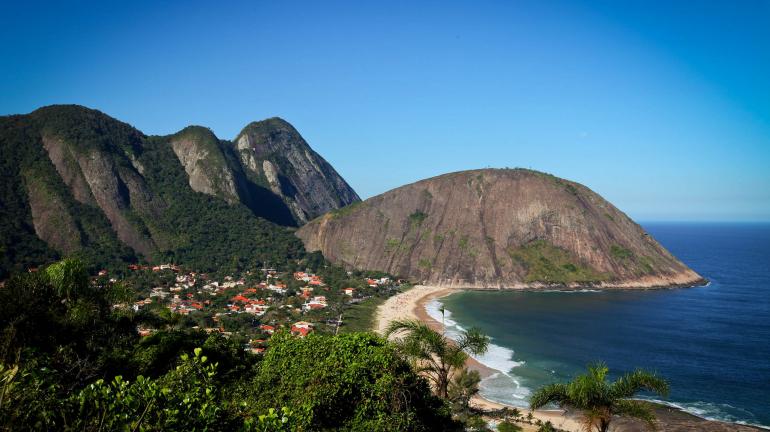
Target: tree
pixel 463 387
pixel 353 381
pixel 507 426
pixel 546 427
pixel 599 399
pixel 433 354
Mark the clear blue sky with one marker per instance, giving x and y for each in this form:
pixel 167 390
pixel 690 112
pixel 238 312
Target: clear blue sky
pixel 663 108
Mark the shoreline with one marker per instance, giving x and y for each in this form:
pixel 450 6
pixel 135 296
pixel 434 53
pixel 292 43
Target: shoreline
pixel 411 305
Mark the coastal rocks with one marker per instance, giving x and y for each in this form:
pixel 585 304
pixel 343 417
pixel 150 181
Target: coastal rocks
pixel 496 229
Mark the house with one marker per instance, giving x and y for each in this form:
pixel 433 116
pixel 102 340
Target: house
pixel 144 331
pixel 255 308
pixel 349 291
pixel 255 350
pixel 240 298
pixel 279 288
pixel 267 328
pixel 301 328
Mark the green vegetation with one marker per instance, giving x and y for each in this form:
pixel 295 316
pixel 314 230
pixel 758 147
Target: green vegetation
pixel 600 400
pixel 69 361
pixel 463 242
pixel 360 317
pixel 547 263
pixel 206 233
pixel 463 387
pixel 425 263
pixel 348 209
pixel 507 426
pixel 348 382
pixel 416 218
pixel 180 225
pixel 439 357
pixel 392 244
pixel 620 252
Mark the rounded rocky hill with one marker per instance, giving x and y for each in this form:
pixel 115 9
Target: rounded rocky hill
pixel 497 228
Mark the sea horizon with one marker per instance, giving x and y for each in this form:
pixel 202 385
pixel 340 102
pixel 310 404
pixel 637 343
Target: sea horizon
pixel 685 334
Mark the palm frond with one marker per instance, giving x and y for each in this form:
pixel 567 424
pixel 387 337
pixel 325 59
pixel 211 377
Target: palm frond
pixel 630 384
pixel 636 409
pixel 473 341
pixel 552 393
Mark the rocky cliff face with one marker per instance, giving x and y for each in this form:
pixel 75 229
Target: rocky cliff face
pixel 79 180
pixel 275 154
pixel 199 153
pixel 495 229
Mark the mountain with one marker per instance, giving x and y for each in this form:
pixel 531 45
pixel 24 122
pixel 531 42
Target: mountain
pixel 76 181
pixel 496 228
pixel 274 154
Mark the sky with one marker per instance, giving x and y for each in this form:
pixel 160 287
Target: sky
pixel 662 107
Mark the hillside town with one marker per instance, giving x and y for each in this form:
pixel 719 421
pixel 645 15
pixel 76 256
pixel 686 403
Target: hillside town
pixel 252 305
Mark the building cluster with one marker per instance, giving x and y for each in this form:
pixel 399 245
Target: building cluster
pixel 255 305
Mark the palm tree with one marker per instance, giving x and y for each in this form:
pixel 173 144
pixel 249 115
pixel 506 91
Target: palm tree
pixel 434 354
pixel 599 399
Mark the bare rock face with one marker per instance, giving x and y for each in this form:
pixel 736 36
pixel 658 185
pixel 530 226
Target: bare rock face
pixel 63 159
pixel 207 169
pixel 52 222
pixel 497 229
pixel 80 180
pixel 96 178
pixel 273 153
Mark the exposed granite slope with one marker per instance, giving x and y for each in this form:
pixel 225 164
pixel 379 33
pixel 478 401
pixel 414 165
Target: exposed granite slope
pixel 493 229
pixel 198 151
pixel 81 180
pixel 276 155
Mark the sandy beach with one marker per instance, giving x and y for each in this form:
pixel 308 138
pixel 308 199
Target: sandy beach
pixel 411 305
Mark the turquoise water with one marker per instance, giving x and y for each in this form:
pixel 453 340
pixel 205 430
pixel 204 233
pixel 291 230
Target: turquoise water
pixel 712 343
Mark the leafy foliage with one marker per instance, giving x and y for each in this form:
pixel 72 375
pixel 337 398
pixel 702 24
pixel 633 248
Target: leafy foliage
pixel 181 225
pixel 463 387
pixel 599 399
pixel 507 426
pixel 433 354
pixel 72 363
pixel 347 382
pixel 547 263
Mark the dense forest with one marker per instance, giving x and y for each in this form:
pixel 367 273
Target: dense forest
pixel 68 361
pixel 152 205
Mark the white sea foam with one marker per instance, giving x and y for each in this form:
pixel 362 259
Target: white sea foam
pixel 573 291
pixel 503 386
pixel 713 411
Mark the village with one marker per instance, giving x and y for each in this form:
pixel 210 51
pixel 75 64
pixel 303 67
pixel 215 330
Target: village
pixel 251 306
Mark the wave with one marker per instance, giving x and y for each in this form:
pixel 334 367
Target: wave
pixel 573 291
pixel 714 411
pixel 502 386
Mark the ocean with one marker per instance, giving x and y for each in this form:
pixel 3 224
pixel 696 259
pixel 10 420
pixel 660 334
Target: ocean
pixel 711 343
